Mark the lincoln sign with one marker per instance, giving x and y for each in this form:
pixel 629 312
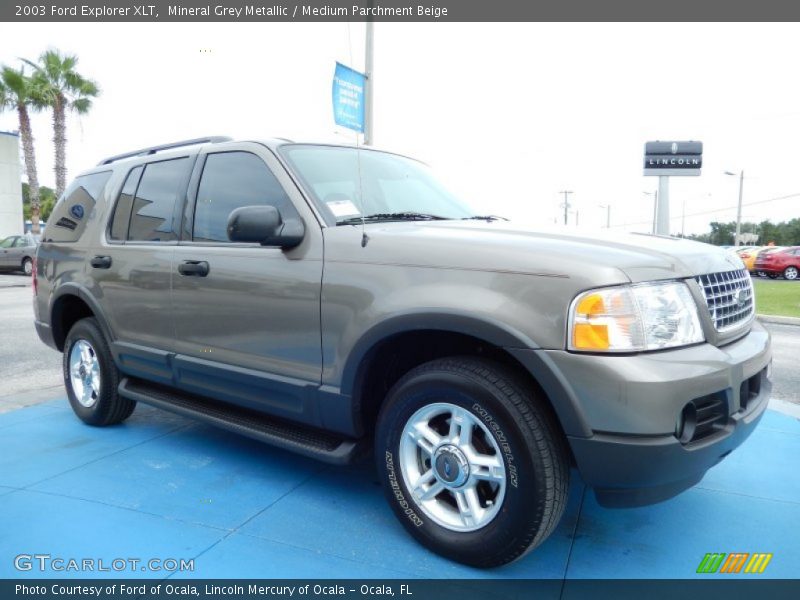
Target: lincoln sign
pixel 673 158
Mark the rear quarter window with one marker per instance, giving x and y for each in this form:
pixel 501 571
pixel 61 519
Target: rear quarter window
pixel 76 208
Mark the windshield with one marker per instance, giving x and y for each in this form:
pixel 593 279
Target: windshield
pixel 347 183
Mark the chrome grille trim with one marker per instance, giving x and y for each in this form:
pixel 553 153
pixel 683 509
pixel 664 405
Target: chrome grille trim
pixel 729 298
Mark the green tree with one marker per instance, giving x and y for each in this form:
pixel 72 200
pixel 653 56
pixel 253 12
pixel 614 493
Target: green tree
pixel 47 201
pixel 768 233
pixel 62 89
pixel 19 93
pixel 722 233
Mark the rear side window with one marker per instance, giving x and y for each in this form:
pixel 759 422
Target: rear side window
pixel 231 180
pixel 76 207
pixel 153 214
pixel 122 212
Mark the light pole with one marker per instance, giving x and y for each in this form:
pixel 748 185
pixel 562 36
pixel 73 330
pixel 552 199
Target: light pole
pixel 566 204
pixel 655 207
pixel 608 214
pixel 739 207
pixel 369 83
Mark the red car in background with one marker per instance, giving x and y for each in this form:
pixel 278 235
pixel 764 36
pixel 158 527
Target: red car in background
pixel 784 262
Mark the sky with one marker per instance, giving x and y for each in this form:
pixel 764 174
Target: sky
pixel 509 114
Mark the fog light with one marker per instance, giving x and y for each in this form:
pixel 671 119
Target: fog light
pixel 687 423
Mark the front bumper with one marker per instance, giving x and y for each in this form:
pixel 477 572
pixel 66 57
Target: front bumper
pixel 633 411
pixel 629 471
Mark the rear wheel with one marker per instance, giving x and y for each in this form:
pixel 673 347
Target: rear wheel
pixel 27 266
pixel 473 464
pixel 790 273
pixel 91 377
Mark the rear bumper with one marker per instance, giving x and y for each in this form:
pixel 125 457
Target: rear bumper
pixel 45 334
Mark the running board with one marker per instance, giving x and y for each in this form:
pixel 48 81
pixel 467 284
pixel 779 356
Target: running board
pixel 301 439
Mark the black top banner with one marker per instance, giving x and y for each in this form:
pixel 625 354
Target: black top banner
pixel 398 10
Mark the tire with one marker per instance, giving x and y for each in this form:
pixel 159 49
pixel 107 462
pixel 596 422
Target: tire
pixel 27 266
pixel 91 377
pixel 489 500
pixel 772 275
pixel 791 273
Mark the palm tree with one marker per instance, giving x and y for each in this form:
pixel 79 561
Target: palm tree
pixel 62 88
pixel 18 92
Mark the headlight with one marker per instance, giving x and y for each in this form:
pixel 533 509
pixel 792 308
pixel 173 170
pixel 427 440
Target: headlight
pixel 634 318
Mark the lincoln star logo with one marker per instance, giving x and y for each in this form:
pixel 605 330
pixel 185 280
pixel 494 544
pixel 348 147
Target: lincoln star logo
pixel 674 147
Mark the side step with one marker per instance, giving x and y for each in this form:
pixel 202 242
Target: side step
pixel 301 439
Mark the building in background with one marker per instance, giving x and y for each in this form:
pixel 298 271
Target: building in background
pixel 10 185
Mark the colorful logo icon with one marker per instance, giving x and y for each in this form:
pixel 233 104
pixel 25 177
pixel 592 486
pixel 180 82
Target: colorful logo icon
pixel 735 562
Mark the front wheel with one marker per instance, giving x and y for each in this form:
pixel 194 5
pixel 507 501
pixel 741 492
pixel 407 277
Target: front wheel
pixel 91 377
pixel 790 273
pixel 473 464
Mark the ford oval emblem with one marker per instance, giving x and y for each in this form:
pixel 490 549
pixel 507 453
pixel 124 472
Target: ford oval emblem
pixel 77 211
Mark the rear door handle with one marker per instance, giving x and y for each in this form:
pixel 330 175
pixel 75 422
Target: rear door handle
pixel 193 268
pixel 101 262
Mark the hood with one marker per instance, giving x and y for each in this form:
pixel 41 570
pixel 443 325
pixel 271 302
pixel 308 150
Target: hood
pixel 604 257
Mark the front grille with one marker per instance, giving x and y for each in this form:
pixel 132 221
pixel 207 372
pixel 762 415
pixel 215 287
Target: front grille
pixel 729 297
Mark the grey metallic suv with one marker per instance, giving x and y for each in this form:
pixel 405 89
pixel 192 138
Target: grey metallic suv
pixel 334 301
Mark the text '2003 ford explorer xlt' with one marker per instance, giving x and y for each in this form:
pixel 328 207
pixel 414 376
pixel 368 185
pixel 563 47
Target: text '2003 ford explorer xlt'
pixel 330 299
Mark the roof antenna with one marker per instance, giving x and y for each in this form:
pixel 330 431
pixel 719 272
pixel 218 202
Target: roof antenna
pixel 364 236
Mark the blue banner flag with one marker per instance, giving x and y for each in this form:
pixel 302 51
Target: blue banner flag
pixel 348 98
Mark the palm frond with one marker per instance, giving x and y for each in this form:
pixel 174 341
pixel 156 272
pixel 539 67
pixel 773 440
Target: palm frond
pixel 81 105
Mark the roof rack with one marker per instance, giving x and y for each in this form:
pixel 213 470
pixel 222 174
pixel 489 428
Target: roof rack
pixel 153 149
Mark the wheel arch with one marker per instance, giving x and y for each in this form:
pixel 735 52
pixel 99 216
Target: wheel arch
pixel 392 348
pixel 70 304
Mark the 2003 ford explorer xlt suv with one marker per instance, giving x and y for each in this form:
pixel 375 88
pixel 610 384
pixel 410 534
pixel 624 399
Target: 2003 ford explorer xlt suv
pixel 332 300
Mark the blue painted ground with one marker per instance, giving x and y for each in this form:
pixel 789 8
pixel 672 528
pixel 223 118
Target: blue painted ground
pixel 160 486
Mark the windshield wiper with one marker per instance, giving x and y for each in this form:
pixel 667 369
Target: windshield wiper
pixel 484 218
pixel 398 216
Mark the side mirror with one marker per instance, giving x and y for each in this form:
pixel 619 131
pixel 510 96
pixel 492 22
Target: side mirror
pixel 264 225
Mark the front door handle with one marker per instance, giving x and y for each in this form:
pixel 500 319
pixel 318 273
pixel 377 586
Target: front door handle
pixel 101 262
pixel 193 268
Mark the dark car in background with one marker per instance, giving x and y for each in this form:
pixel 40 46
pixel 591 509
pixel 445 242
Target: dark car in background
pixel 785 261
pixel 17 252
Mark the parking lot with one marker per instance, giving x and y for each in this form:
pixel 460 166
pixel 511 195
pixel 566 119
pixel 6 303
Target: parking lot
pixel 162 487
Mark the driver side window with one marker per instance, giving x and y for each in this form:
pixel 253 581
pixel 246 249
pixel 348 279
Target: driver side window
pixel 231 180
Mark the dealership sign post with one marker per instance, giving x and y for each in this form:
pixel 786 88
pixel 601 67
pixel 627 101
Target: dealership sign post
pixel 666 159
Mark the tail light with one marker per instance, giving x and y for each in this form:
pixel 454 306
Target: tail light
pixel 33 277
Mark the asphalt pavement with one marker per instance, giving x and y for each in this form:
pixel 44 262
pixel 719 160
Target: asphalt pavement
pixel 30 372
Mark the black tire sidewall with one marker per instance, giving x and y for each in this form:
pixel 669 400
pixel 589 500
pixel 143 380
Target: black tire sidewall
pixel 520 512
pixel 25 263
pixel 98 413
